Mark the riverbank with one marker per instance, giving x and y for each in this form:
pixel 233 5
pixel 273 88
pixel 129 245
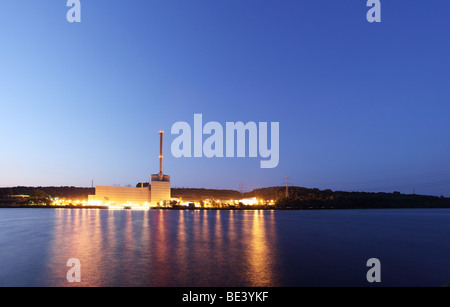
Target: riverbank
pixel 248 208
pixel 297 198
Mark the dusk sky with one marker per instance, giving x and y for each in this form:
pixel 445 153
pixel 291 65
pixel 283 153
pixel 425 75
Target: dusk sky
pixel 361 106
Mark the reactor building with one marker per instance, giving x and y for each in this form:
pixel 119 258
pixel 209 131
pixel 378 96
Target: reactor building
pixel 157 192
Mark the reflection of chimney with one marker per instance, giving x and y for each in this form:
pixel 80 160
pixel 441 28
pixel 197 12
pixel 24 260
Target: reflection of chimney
pixel 161 133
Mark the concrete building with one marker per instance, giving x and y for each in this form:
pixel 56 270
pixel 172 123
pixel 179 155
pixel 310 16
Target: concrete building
pixel 157 192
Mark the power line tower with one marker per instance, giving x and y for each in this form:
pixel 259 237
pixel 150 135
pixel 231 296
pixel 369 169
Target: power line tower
pixel 242 188
pixel 287 187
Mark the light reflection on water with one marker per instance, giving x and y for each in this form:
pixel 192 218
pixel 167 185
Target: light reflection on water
pixel 224 248
pixel 164 248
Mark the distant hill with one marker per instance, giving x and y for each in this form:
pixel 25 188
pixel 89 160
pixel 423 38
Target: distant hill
pixel 189 194
pixel 299 197
pixel 200 194
pixel 62 192
pixel 304 198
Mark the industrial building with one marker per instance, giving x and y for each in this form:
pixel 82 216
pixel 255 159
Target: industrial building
pixel 156 193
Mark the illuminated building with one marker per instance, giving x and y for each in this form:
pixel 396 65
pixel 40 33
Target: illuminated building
pixel 157 192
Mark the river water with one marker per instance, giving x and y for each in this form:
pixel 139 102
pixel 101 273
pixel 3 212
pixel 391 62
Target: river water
pixel 224 248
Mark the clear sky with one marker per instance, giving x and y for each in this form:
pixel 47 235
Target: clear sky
pixel 361 106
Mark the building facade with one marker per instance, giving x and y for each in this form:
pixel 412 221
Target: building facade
pixel 158 192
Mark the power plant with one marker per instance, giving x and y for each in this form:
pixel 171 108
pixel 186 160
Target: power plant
pixel 156 193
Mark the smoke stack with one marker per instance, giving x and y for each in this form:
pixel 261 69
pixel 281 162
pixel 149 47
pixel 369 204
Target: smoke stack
pixel 160 151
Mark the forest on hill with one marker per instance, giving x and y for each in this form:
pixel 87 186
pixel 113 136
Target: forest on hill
pixel 298 197
pixel 304 198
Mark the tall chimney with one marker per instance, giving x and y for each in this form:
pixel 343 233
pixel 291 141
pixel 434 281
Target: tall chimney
pixel 160 151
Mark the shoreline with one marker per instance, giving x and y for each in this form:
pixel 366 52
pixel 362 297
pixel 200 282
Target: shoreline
pixel 211 209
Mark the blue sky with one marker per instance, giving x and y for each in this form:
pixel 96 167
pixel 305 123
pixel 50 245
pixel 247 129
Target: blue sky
pixel 361 106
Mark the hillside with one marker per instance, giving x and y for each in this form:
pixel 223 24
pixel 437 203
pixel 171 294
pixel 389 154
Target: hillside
pixel 299 198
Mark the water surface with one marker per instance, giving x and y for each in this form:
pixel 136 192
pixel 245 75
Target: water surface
pixel 224 248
